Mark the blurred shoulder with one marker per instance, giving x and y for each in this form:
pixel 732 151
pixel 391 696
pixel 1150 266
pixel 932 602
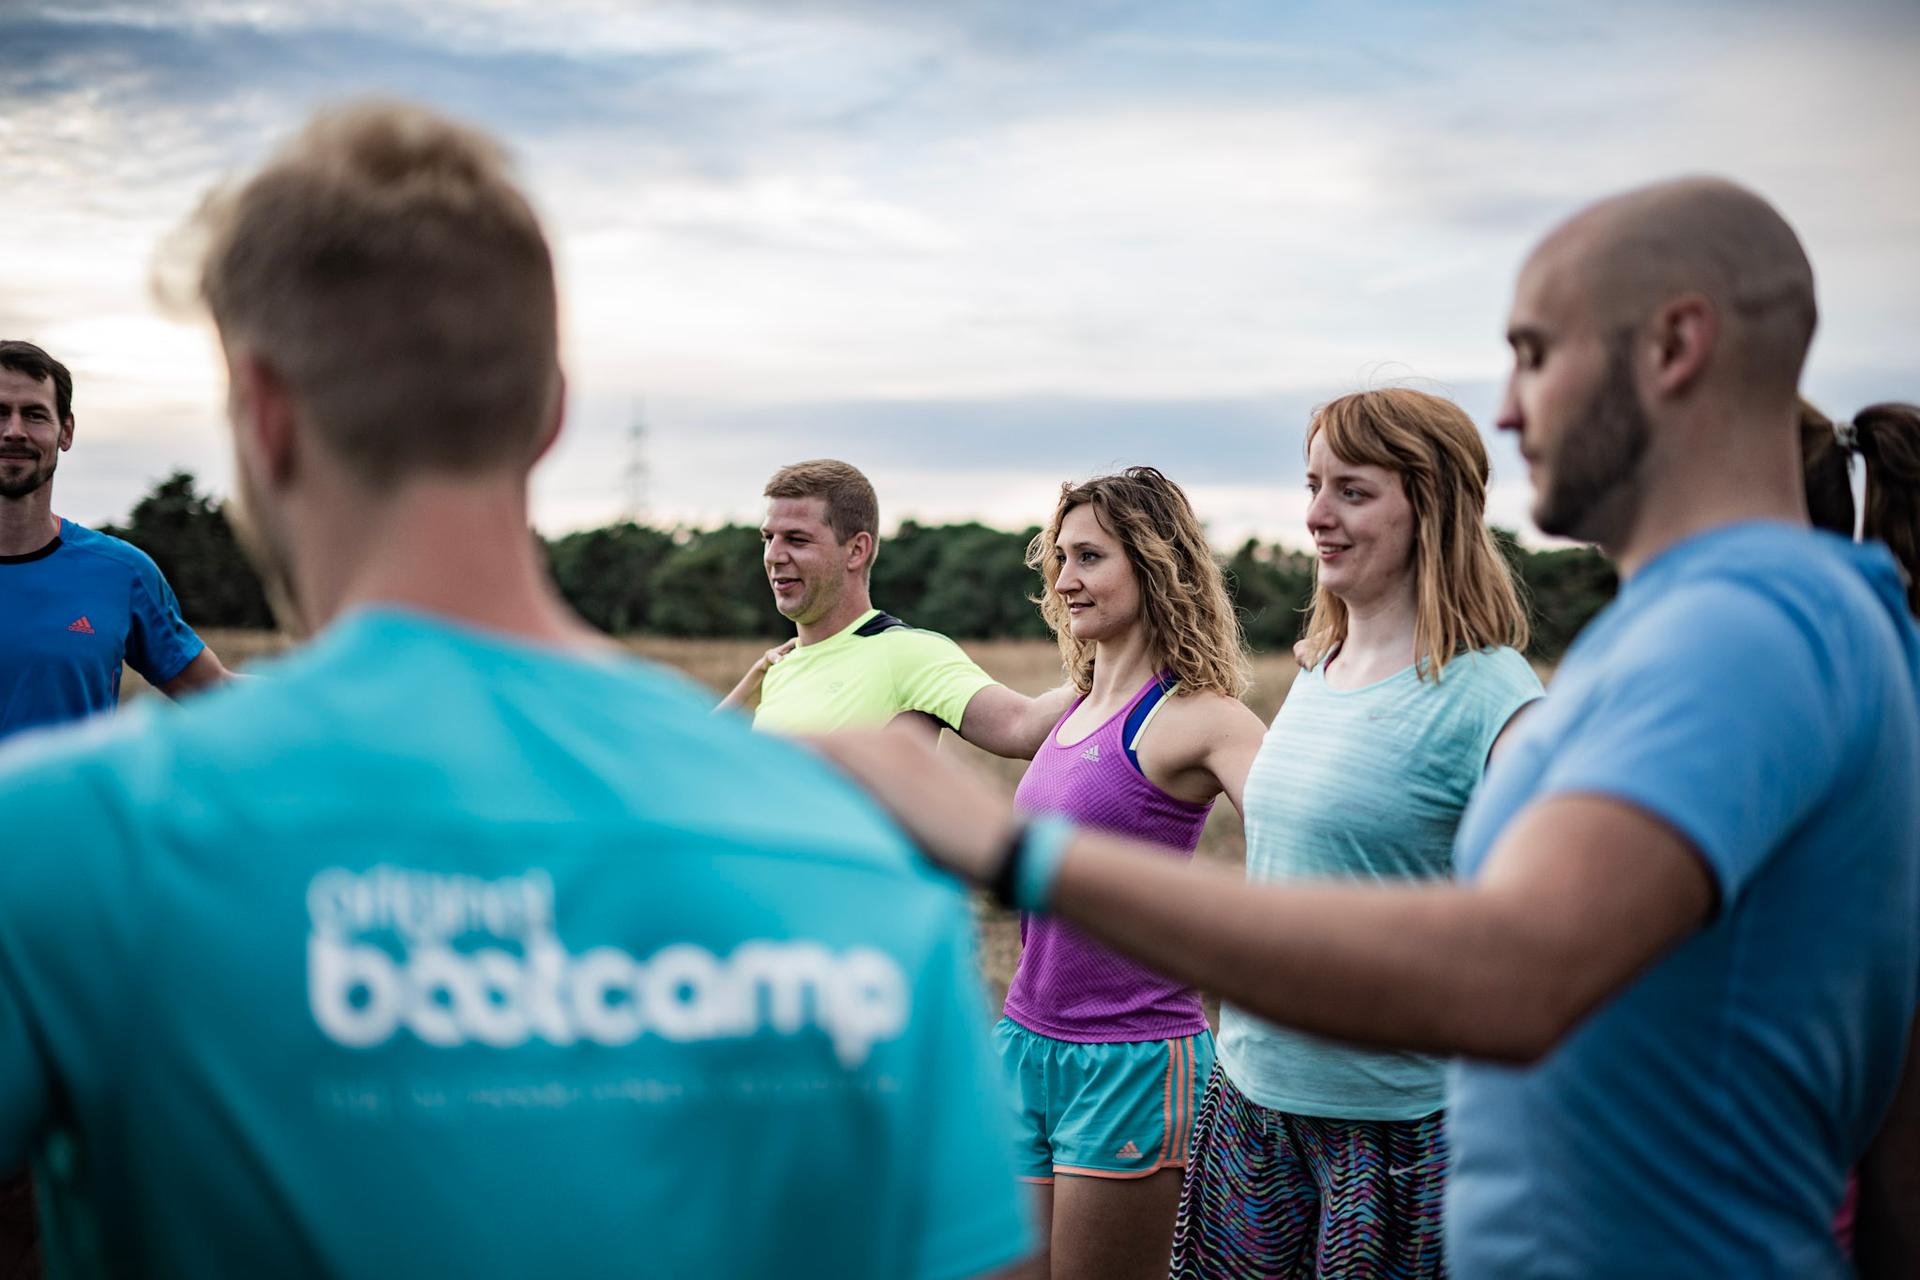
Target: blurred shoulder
pixel 70 791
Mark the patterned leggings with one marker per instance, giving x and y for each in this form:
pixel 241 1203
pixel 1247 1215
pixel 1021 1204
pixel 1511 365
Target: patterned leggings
pixel 1273 1194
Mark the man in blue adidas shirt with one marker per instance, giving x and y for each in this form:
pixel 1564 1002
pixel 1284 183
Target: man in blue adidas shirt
pixel 465 945
pixel 1682 963
pixel 78 603
pixel 74 605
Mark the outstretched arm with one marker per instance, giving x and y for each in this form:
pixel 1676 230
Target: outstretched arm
pixel 1579 896
pixel 206 671
pixel 747 692
pixel 917 725
pixel 1009 723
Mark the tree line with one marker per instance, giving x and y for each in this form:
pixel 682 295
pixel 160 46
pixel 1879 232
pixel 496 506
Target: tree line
pixel 966 580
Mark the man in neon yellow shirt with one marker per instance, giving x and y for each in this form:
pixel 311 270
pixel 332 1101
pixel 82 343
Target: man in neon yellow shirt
pixel 851 665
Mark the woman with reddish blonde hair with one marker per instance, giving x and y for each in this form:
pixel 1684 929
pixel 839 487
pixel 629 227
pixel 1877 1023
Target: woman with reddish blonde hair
pixel 1316 1158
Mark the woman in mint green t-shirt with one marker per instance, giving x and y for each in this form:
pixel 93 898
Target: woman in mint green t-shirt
pixel 1312 1157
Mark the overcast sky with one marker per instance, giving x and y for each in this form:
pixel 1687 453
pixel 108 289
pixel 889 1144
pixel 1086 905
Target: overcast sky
pixel 975 247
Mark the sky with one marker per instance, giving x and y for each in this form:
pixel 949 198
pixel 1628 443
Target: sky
pixel 975 247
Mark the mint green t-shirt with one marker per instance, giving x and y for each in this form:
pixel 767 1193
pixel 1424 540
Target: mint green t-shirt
pixel 855 681
pixel 1366 784
pixel 436 953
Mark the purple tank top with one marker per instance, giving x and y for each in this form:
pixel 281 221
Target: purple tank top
pixel 1068 986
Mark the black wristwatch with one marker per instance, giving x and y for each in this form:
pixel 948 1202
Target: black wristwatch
pixel 1007 874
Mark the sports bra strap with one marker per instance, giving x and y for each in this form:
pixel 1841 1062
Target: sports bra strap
pixel 1142 715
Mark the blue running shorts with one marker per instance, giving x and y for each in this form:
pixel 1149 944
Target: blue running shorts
pixel 1101 1110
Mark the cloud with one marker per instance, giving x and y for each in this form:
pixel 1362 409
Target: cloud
pixel 986 239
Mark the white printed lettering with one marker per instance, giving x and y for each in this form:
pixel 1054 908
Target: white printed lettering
pixel 361 994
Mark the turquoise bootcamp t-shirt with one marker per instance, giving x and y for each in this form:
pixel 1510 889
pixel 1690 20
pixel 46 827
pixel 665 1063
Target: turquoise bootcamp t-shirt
pixel 1364 784
pixel 436 953
pixel 1756 688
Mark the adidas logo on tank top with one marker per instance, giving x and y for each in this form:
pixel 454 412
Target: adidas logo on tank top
pixel 1091 753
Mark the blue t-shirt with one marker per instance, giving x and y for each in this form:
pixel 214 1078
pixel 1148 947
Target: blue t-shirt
pixel 437 953
pixel 1755 688
pixel 1364 784
pixel 73 612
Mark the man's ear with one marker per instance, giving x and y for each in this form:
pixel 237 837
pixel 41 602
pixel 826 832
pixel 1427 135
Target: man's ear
pixel 860 550
pixel 263 408
pixel 552 430
pixel 1686 330
pixel 66 434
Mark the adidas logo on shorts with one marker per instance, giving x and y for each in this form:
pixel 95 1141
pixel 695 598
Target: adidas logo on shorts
pixel 1128 1152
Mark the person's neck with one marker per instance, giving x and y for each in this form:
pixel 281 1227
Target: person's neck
pixel 854 601
pixel 1381 631
pixel 462 550
pixel 1729 476
pixel 1120 666
pixel 28 523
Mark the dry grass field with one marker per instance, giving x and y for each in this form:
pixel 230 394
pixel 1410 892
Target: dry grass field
pixel 1030 666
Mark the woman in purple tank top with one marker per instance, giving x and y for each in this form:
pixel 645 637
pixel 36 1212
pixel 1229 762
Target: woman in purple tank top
pixel 1104 1056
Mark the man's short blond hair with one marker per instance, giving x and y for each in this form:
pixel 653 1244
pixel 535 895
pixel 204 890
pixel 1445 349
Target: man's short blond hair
pixel 852 506
pixel 387 267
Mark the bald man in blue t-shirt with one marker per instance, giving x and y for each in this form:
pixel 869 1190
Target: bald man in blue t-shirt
pixel 1680 968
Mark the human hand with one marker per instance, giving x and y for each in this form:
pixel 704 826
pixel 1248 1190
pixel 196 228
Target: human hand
pixel 774 655
pixel 749 686
pixel 961 823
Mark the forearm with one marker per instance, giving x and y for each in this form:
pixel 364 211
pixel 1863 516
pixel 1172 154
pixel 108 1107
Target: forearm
pixel 1577 897
pixel 743 694
pixel 206 671
pixel 1434 967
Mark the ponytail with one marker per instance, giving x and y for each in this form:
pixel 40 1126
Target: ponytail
pixel 1828 463
pixel 1887 438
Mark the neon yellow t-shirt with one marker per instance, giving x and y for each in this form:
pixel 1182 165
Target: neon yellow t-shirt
pixel 855 680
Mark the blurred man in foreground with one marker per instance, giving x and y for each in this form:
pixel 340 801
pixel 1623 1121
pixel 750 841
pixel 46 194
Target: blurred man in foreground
pixel 464 945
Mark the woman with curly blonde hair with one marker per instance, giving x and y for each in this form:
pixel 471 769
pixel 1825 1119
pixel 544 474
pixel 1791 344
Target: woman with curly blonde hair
pixel 1103 1056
